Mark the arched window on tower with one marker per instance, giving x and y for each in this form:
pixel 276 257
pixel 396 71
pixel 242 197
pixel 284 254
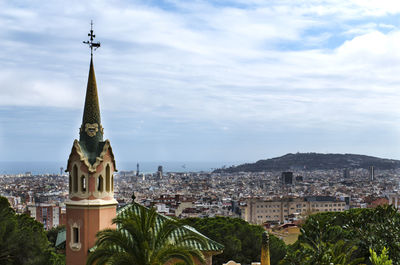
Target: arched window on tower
pixel 75 178
pixel 75 238
pixel 83 183
pixel 70 182
pixel 112 182
pixel 75 235
pixel 100 184
pixel 108 178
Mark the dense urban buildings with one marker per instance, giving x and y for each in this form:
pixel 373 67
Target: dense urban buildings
pixel 221 194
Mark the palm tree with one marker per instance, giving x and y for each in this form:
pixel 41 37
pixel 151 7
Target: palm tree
pixel 143 237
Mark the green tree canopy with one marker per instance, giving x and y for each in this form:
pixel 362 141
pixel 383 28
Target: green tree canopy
pixel 242 240
pixel 52 234
pixel 23 240
pixel 382 259
pixel 359 229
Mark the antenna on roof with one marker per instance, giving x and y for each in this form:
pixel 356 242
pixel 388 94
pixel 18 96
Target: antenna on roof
pixel 90 42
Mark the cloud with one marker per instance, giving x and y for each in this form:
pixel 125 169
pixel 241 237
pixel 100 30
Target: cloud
pixel 224 65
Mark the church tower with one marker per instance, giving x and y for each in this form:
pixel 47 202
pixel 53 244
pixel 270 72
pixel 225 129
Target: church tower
pixel 91 205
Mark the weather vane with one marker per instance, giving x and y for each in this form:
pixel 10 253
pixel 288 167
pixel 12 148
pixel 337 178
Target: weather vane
pixel 90 42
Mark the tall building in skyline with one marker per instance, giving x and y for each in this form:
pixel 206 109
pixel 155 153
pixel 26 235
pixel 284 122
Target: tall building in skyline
pixel 371 173
pixel 160 172
pixel 346 173
pixel 90 206
pixel 287 178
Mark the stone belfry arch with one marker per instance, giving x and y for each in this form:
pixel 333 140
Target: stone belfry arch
pixel 90 205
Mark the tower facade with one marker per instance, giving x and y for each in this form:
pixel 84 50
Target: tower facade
pixel 90 205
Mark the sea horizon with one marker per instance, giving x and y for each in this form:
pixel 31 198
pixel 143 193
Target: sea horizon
pixel 54 167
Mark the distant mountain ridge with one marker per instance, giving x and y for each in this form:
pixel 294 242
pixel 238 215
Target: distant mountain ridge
pixel 313 161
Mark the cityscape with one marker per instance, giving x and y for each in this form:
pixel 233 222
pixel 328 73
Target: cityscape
pixel 303 96
pixel 207 194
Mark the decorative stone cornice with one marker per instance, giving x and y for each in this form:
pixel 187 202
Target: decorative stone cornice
pixel 84 159
pixel 91 203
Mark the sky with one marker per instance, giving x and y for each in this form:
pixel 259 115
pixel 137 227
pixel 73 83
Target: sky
pixel 238 80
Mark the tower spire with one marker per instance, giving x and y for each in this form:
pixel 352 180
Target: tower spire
pixel 91 131
pixel 90 206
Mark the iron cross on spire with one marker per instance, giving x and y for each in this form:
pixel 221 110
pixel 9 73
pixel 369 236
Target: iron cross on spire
pixel 90 42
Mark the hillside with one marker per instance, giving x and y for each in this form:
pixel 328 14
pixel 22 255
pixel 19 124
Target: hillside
pixel 312 161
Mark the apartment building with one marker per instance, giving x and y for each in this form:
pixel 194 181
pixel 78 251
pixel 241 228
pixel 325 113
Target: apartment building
pixel 259 211
pixel 47 214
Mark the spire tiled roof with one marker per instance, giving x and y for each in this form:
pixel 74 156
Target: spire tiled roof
pixel 91 131
pixel 91 112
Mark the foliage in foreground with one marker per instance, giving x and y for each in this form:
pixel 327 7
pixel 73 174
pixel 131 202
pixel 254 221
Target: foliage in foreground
pixel 382 259
pixel 350 234
pixel 242 240
pixel 53 233
pixel 138 241
pixel 23 240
